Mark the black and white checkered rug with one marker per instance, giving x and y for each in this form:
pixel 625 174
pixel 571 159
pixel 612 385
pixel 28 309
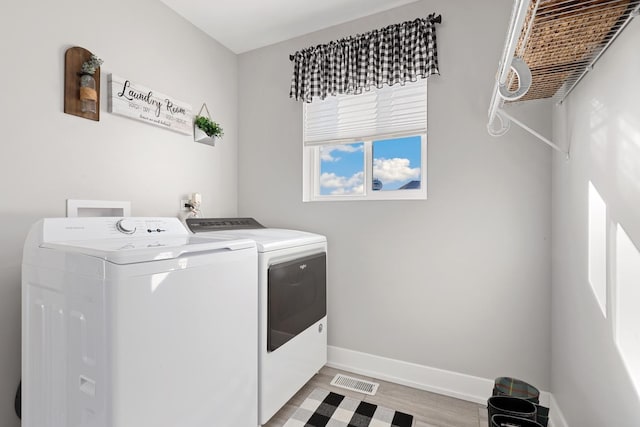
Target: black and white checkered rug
pixel 327 409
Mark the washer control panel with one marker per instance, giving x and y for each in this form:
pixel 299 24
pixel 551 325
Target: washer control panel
pixel 89 228
pixel 149 226
pixel 126 226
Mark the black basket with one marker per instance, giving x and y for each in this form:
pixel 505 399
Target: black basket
pixel 542 416
pixel 513 406
pixel 508 421
pixel 507 386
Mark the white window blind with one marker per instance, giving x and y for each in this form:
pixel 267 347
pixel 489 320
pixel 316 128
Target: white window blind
pixel 388 112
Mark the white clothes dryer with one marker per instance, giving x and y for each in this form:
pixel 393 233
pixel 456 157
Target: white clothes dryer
pixel 292 293
pixel 136 322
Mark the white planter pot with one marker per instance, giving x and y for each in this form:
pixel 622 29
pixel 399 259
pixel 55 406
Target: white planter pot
pixel 203 138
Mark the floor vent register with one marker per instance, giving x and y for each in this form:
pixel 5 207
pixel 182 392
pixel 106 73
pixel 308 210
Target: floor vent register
pixel 355 384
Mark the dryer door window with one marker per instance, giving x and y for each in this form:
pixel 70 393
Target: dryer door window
pixel 297 294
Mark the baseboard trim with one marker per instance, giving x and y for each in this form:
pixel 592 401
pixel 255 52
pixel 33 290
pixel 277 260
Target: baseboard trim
pixel 556 418
pixel 449 383
pixel 460 386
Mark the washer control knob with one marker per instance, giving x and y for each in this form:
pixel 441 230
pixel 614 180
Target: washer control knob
pixel 126 226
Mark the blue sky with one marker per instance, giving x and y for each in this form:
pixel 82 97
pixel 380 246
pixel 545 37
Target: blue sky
pixel 396 162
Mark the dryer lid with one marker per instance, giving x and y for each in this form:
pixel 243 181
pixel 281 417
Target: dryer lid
pixel 267 239
pixel 270 239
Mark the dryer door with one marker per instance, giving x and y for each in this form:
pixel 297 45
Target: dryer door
pixel 297 294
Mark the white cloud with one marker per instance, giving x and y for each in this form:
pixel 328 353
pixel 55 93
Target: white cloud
pixel 342 185
pixel 394 170
pixel 326 152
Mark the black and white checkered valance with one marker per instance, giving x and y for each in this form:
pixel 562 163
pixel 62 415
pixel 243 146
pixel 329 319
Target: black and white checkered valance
pixel 394 54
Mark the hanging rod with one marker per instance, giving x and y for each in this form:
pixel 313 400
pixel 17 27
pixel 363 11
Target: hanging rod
pixel 508 63
pixel 518 15
pixel 434 20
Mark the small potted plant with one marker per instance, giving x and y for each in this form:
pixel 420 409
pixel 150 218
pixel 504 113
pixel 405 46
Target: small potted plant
pixel 206 130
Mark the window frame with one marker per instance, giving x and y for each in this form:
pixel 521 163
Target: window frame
pixel 311 173
pixel 390 112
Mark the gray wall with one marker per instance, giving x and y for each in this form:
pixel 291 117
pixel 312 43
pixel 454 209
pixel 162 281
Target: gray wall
pixel 48 156
pixel 460 281
pixel 592 370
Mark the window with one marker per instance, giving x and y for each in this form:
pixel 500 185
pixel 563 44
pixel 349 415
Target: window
pixel 370 146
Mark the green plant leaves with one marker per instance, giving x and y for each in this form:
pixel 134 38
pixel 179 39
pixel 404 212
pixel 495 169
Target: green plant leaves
pixel 208 126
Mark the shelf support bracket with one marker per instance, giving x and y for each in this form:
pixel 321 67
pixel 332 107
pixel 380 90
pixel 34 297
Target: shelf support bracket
pixel 538 135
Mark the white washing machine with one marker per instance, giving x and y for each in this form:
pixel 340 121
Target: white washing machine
pixel 292 292
pixel 136 322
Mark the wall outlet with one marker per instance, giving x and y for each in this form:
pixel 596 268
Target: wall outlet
pixel 182 203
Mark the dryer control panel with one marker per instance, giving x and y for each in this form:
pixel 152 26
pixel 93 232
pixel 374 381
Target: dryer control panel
pixel 202 225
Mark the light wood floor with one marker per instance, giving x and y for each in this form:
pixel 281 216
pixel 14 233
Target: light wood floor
pixel 428 409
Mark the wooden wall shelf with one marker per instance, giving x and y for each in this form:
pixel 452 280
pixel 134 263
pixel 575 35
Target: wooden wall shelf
pixel 73 60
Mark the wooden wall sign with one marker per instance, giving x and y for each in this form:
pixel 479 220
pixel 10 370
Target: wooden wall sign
pixel 73 59
pixel 141 103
